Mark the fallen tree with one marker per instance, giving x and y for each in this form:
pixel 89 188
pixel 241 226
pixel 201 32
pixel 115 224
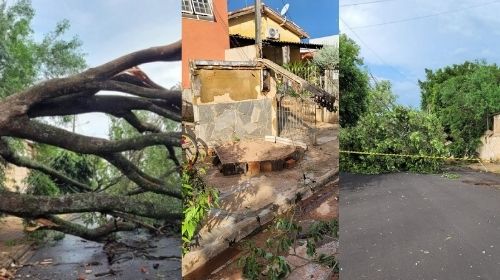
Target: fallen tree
pixel 123 200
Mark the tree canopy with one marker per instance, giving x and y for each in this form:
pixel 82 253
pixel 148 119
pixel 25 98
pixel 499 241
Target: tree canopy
pixel 23 60
pixel 126 182
pixel 387 127
pixel 462 96
pixel 354 82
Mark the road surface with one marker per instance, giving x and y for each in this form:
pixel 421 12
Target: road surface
pixel 73 258
pixel 411 226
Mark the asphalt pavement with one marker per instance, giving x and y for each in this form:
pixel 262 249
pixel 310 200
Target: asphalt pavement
pixel 73 258
pixel 412 226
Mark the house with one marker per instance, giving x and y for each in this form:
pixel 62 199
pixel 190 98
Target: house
pixel 205 33
pixel 228 91
pixel 282 39
pixel 490 148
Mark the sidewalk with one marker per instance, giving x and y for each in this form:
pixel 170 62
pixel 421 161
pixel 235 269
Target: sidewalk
pixel 247 204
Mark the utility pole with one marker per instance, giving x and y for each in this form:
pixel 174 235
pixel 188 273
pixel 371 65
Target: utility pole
pixel 258 21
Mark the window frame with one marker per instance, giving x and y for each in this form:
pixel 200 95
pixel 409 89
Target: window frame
pixel 199 15
pixel 190 6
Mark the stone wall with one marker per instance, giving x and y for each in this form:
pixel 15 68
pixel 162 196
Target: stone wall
pixel 223 122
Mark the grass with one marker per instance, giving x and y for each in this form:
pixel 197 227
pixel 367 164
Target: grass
pixel 451 176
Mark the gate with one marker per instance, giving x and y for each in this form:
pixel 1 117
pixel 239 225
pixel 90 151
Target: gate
pixel 297 118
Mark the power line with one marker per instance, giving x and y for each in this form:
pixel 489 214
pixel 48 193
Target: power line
pixel 376 54
pixel 426 16
pixel 364 3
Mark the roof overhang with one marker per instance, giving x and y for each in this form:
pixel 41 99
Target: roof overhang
pixel 245 41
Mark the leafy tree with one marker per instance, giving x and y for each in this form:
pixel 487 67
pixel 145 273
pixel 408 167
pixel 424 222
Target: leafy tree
pixel 463 97
pixel 354 83
pixel 122 180
pixel 390 128
pixel 327 58
pixel 23 61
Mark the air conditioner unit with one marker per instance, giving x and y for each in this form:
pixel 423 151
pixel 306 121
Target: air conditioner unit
pixel 273 33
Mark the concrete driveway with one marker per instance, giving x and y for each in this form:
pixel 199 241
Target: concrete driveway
pixel 411 226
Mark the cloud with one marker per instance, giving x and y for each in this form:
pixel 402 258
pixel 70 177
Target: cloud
pixel 467 33
pixel 112 28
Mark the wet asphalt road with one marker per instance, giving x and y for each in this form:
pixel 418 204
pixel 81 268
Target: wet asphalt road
pixel 73 258
pixel 410 226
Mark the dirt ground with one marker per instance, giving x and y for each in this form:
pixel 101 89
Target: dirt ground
pixel 323 205
pixel 242 195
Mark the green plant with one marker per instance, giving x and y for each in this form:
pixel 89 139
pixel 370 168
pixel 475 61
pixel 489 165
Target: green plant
pixel 271 260
pixel 307 70
pixel 411 138
pixel 327 58
pixel 463 97
pixel 451 176
pixel 198 200
pixel 353 82
pixel 12 242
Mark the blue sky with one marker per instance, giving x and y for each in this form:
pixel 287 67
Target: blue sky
pixel 427 34
pixel 318 17
pixel 111 28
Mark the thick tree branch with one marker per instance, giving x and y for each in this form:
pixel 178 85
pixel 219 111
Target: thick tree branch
pixel 143 180
pixel 47 134
pixel 109 104
pixel 19 104
pixel 30 206
pixel 153 93
pixel 96 234
pixel 140 126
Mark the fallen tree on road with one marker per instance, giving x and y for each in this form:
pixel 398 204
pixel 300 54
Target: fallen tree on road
pixel 126 195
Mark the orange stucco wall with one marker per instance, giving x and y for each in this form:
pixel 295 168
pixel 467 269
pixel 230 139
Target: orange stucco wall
pixel 204 39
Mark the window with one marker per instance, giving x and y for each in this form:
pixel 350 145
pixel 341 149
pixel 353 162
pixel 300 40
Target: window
pixel 187 7
pixel 197 7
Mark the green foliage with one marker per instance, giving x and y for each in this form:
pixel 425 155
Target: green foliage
pixel 23 60
pixel 40 184
pixel 327 58
pixel 307 70
pixel 463 97
pixel 354 82
pixel 2 176
pixel 271 260
pixel 198 199
pixel 451 176
pixel 75 166
pixel 154 161
pixel 393 129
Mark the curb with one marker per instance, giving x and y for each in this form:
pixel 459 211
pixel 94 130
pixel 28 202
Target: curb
pixel 236 232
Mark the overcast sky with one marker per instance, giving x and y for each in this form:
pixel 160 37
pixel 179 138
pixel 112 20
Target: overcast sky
pixel 400 38
pixel 111 28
